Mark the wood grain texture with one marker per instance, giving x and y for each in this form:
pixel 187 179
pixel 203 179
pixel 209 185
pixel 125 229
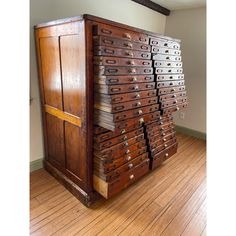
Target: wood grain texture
pixel 169 201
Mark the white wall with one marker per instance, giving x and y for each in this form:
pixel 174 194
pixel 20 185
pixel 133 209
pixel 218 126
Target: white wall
pixel 190 27
pixel 123 11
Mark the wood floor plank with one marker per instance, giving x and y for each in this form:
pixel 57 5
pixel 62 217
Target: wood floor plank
pixel 156 204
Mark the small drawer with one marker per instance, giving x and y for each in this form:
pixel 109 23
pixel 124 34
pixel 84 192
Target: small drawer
pixel 106 166
pixel 123 88
pixel 163 91
pixel 161 129
pixel 173 102
pixel 160 71
pixel 156 147
pixel 162 57
pixel 161 121
pixel 118 43
pixel 160 137
pixel 119 52
pixel 172 109
pixel 119 139
pixel 167 97
pixel 108 177
pixel 161 64
pixel 107 190
pixel 163 155
pixel 119 70
pixel 118 107
pixel 166 51
pixel 120 61
pixel 116 32
pixel 164 43
pixel 170 84
pixel 169 77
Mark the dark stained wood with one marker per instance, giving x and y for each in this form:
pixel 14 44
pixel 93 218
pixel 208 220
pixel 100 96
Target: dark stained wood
pixel 154 6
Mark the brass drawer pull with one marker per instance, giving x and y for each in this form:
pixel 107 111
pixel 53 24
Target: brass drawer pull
pixel 130 45
pixel 134 79
pixel 136 87
pixel 138 104
pixel 132 70
pixel 129 53
pixel 140 112
pixel 128 158
pixel 137 95
pixel 126 144
pixel 131 177
pixel 123 131
pixel 127 151
pixel 126 35
pixel 130 166
pixel 166 154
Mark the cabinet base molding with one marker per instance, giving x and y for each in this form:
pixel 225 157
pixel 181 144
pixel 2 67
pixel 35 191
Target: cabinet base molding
pixel 86 198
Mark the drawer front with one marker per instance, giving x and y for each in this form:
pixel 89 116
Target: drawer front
pixel 161 57
pixel 123 79
pixel 173 102
pixel 108 70
pixel 164 43
pixel 163 155
pixel 118 43
pixel 167 97
pixel 133 104
pixel 160 64
pixel 108 177
pixel 166 51
pixel 135 112
pixel 170 84
pixel 109 165
pixel 108 30
pixel 124 144
pixel 174 108
pixel 162 129
pixel 169 77
pixel 118 52
pixel 162 91
pixel 163 146
pixel 160 137
pixel 121 138
pixel 159 122
pixel 108 190
pixel 160 71
pixel 119 61
pixel 124 151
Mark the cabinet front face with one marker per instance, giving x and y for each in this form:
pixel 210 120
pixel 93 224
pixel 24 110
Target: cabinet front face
pixel 61 58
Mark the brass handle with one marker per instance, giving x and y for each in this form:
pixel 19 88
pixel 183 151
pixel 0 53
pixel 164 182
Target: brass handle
pixel 127 151
pixel 138 104
pixel 123 131
pixel 174 96
pixel 126 35
pixel 161 123
pixel 134 79
pixel 137 95
pixel 165 145
pixel 131 177
pixel 177 108
pixel 128 158
pixel 126 144
pixel 132 70
pixel 130 165
pixel 164 139
pixel 136 87
pixel 166 154
pixel 140 112
pixel 130 45
pixel 141 120
pixel 125 137
pixel 172 90
pixel 129 53
pixel 131 62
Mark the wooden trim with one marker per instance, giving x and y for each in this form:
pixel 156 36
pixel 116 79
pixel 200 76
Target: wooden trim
pixel 36 165
pixel 100 186
pixel 154 6
pixel 190 132
pixel 63 115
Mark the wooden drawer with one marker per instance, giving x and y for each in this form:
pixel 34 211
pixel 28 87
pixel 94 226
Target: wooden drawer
pixel 160 64
pixel 125 144
pixel 173 102
pixel 162 129
pixel 160 137
pixel 174 108
pixel 164 43
pixel 170 84
pixel 121 138
pixel 163 146
pixel 108 177
pixel 113 108
pixel 119 116
pixel 108 30
pixel 120 61
pixel 166 51
pixel 118 43
pixel 162 57
pixel 163 155
pixel 123 88
pixel 119 52
pixel 106 166
pixel 126 123
pixel 118 98
pixel 164 98
pixel 169 77
pixel 158 122
pixel 123 79
pixel 163 91
pixel 119 70
pixel 160 71
pixel 108 190
pixel 121 152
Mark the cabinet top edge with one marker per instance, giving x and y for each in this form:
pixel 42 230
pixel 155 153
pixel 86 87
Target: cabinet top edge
pixel 101 20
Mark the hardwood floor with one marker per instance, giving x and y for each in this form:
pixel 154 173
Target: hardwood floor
pixel 169 201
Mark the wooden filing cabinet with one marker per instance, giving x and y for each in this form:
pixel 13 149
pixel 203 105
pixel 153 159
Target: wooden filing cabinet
pixel 108 92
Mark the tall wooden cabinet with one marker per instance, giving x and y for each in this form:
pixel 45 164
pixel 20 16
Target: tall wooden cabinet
pixel 105 88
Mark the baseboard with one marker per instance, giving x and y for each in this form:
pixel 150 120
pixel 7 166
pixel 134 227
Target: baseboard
pixel 35 165
pixel 190 132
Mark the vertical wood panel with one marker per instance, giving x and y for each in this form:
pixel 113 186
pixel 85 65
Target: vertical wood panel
pixel 51 72
pixel 73 76
pixel 55 136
